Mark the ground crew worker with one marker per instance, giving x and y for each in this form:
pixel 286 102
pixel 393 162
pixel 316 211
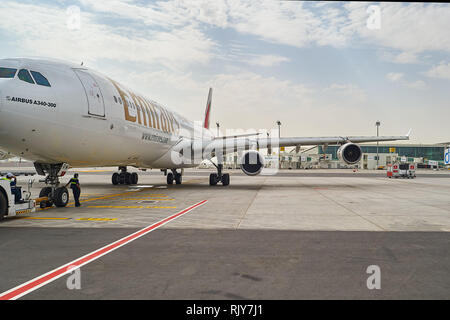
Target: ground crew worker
pixel 75 186
pixel 14 190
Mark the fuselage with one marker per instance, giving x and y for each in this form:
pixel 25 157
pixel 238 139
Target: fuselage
pixel 84 118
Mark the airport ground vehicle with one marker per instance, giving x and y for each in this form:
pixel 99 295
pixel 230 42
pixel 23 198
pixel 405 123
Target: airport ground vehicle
pixel 8 206
pixel 403 170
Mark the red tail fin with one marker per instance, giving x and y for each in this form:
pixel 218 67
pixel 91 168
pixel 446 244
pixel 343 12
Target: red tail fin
pixel 208 110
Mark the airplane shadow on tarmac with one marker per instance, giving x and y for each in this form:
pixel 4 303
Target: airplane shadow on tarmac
pixel 249 187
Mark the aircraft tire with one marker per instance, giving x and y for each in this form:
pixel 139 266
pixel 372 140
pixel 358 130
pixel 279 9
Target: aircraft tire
pixel 170 178
pixel 134 178
pixel 45 192
pixel 115 178
pixel 213 179
pixel 3 206
pixel 178 178
pixel 127 178
pixel 225 179
pixel 61 197
pixel 122 178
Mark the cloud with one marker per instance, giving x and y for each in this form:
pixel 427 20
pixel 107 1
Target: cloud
pixel 399 57
pixel 393 76
pixel 155 32
pixel 400 78
pixel 287 22
pixel 265 60
pixel 441 71
pixel 95 40
pixel 419 84
pixel 409 28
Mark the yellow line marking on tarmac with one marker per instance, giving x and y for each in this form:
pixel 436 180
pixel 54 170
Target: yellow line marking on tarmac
pixel 97 219
pixel 43 218
pixel 105 197
pixel 116 207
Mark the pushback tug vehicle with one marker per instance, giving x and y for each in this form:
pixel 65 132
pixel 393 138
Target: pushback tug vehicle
pixel 9 207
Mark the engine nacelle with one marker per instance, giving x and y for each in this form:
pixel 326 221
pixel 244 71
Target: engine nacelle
pixel 350 153
pixel 252 163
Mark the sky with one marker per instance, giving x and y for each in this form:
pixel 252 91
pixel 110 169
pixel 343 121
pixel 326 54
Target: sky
pixel 321 68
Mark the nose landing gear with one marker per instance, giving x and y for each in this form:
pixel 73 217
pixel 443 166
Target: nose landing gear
pixel 56 195
pixel 124 177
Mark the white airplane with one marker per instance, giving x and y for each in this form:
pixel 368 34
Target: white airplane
pixel 58 114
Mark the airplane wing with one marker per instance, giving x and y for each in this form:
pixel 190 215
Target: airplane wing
pixel 234 144
pixel 211 148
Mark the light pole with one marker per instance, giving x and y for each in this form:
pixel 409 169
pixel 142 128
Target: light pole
pixel 218 128
pixel 279 148
pixel 378 123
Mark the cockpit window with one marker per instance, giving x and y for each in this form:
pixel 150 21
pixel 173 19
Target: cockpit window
pixel 24 75
pixel 7 73
pixel 40 79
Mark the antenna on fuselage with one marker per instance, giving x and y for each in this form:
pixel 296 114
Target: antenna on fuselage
pixel 82 63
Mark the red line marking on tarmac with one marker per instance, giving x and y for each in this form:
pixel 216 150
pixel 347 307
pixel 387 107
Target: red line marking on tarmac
pixel 44 279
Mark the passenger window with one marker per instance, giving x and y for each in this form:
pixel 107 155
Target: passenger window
pixel 115 99
pixel 40 79
pixel 7 73
pixel 24 75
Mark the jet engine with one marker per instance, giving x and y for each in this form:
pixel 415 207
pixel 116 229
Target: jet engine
pixel 350 153
pixel 252 163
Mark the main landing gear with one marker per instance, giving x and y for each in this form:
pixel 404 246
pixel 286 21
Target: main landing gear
pixel 56 195
pixel 215 178
pixel 124 177
pixel 174 176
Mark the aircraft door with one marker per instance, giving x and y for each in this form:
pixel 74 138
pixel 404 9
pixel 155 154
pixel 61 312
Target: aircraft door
pixel 96 104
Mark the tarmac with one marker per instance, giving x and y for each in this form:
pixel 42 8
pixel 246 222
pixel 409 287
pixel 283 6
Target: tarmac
pixel 300 234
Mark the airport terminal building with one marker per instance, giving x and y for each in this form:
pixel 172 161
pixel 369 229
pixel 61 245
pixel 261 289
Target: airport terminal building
pixel 424 155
